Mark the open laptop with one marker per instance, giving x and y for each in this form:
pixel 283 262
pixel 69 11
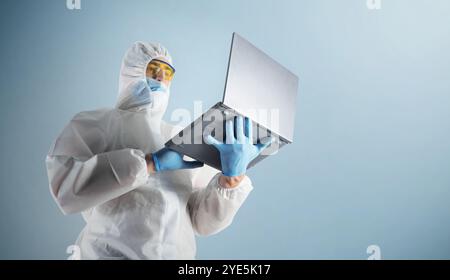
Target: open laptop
pixel 256 87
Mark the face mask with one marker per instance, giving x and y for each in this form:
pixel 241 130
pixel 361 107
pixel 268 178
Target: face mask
pixel 140 96
pixel 156 85
pixel 157 98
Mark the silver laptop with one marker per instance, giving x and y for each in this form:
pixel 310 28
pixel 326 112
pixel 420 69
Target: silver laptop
pixel 256 87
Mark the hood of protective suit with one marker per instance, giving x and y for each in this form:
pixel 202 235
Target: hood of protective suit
pixel 134 92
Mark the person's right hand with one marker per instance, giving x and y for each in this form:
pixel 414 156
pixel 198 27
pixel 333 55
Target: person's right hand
pixel 166 159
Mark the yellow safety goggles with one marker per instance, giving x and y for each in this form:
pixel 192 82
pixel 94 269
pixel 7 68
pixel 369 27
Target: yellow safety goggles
pixel 160 69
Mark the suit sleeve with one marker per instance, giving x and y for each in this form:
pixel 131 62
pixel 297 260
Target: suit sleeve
pixel 82 174
pixel 214 207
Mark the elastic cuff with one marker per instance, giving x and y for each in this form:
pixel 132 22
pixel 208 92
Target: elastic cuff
pixel 156 163
pixel 229 193
pixel 142 173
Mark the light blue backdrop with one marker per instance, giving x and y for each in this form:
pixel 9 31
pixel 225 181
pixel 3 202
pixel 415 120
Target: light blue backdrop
pixel 371 158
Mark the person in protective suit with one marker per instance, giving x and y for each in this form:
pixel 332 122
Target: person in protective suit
pixel 139 199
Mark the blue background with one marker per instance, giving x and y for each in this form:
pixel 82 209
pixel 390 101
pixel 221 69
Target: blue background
pixel 370 162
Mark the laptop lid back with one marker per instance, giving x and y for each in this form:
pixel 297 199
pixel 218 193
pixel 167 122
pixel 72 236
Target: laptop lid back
pixel 260 88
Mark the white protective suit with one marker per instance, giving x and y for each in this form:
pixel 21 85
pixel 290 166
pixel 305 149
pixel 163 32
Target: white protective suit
pixel 96 166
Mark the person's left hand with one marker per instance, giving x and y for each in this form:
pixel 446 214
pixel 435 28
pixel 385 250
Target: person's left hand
pixel 237 152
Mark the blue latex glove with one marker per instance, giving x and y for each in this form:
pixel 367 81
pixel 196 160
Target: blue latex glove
pixel 166 159
pixel 237 152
